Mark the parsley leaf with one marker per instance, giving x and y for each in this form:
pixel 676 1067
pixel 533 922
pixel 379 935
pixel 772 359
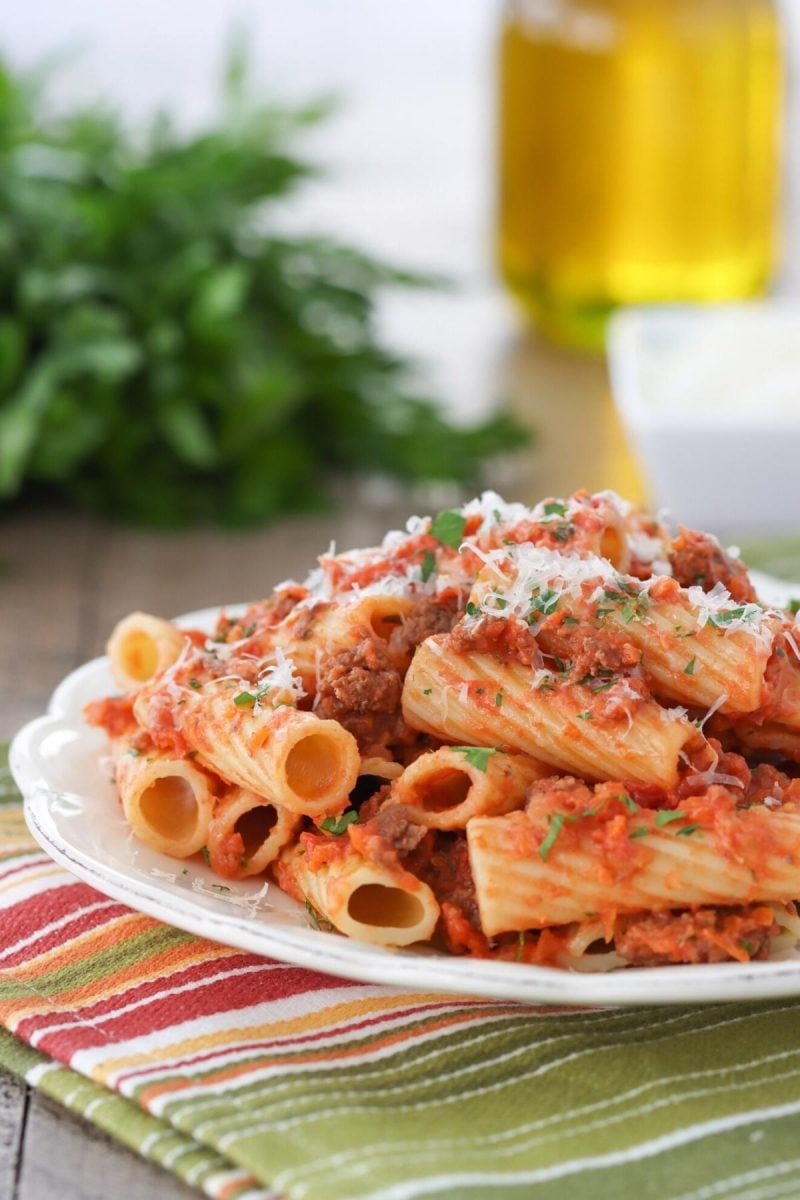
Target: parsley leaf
pixel 245 699
pixel 315 919
pixel 689 668
pixel 206 855
pixel 666 815
pixel 476 756
pixel 545 602
pixel 555 508
pixel 556 825
pixel 428 565
pixel 688 830
pixel 794 606
pixel 339 824
pixel 472 609
pixel 448 528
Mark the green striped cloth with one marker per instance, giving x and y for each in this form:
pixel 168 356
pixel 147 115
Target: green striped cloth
pixel 249 1078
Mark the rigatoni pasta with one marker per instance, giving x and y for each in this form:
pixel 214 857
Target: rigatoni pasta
pixel 556 735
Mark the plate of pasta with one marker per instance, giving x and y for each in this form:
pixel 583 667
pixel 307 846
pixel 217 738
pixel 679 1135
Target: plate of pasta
pixel 548 754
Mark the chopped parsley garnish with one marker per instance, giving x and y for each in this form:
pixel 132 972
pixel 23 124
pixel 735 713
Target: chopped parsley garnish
pixel 556 825
pixel 629 802
pixel 596 685
pixel 192 754
pixel 476 756
pixel 637 833
pixel 499 699
pixel 206 855
pixel 748 946
pixel 244 862
pixel 688 830
pixel 339 824
pixel 689 668
pixel 427 691
pixel 555 508
pixel 570 621
pixel 625 596
pixel 428 565
pixel 544 603
pixel 316 921
pixel 448 528
pixel 794 606
pixel 560 664
pixel 665 816
pixel 564 531
pixel 194 683
pixel 501 602
pixel 472 609
pixel 134 753
pixel 219 887
pixel 745 612
pixel 585 715
pixel 245 699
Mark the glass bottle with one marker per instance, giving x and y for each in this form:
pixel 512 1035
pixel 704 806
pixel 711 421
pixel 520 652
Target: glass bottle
pixel 638 155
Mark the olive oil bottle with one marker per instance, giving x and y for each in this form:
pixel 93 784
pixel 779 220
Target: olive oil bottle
pixel 639 155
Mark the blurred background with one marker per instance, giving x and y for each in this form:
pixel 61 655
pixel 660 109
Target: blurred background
pixel 545 161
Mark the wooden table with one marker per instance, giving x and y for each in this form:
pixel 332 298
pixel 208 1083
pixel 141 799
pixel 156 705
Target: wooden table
pixel 66 578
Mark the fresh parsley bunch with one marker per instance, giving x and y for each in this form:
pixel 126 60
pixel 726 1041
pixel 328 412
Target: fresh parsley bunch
pixel 165 355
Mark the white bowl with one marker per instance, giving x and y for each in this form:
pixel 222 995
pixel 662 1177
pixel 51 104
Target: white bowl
pixel 710 398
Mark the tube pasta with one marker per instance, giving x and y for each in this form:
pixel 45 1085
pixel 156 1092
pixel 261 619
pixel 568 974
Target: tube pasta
pixel 443 789
pixel 380 768
pixel 688 657
pixel 697 664
pixel 247 832
pixel 305 764
pixel 452 696
pixel 464 734
pixel 140 646
pixel 168 802
pixel 518 887
pixel 363 899
pixel 310 634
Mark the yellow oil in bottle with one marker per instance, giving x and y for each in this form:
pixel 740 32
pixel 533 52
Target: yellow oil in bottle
pixel 638 155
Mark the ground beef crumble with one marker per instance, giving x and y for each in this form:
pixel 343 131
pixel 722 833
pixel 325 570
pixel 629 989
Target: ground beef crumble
pixel 361 687
pixel 507 638
pixel 697 559
pixel 428 617
pixel 706 935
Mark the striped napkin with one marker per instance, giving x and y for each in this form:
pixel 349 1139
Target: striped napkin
pixel 250 1078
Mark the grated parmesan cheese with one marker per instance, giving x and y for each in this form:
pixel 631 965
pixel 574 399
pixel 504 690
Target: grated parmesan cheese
pixel 536 569
pixel 281 676
pixel 714 605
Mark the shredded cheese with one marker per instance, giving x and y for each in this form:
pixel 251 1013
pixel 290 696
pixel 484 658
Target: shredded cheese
pixel 716 605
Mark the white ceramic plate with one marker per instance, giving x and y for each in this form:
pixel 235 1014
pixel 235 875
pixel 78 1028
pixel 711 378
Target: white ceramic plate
pixel 70 806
